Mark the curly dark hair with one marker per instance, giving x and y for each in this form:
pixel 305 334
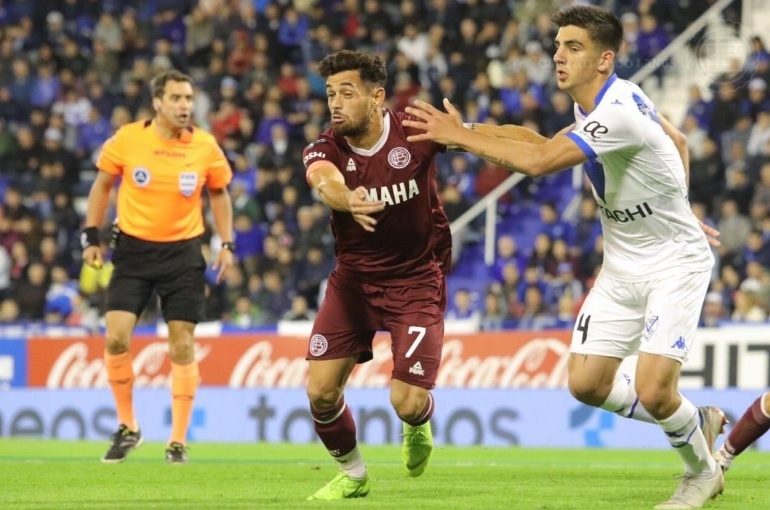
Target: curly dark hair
pixel 603 27
pixel 370 67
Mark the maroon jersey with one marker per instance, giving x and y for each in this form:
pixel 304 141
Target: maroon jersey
pixel 401 174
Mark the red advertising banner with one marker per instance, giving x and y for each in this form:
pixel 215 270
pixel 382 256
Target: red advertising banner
pixel 483 360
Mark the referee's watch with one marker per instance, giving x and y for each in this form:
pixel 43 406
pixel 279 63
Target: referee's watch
pixel 228 245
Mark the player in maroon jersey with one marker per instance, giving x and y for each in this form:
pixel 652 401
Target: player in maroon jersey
pixel 392 242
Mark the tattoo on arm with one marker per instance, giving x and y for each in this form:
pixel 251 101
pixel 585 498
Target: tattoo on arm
pixel 498 161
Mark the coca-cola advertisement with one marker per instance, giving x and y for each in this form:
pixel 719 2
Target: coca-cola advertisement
pixel 484 360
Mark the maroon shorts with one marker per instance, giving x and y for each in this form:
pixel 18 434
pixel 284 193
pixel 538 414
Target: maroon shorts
pixel 352 312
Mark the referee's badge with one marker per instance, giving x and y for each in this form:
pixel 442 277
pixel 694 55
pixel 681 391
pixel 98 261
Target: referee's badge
pixel 141 176
pixel 188 182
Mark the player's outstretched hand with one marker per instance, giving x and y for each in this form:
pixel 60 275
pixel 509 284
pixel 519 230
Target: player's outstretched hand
pixel 92 256
pixel 362 208
pixel 223 263
pixel 440 127
pixel 711 234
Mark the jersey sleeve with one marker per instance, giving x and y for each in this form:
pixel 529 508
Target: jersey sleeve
pixel 110 158
pixel 322 149
pixel 218 171
pixel 609 128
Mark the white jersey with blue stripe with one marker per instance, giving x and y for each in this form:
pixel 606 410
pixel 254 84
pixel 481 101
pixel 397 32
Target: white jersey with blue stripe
pixel 639 182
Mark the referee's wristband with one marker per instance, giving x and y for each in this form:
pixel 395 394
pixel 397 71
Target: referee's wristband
pixel 89 237
pixel 229 246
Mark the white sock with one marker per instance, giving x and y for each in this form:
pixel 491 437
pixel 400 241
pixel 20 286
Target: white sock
pixel 352 464
pixel 726 451
pixel 684 433
pixel 623 401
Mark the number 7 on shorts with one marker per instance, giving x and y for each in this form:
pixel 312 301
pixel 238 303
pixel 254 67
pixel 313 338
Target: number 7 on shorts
pixel 420 335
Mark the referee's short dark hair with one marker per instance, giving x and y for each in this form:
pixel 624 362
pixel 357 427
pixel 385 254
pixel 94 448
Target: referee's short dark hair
pixel 158 82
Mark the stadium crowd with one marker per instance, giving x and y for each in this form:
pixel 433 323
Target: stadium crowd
pixel 73 71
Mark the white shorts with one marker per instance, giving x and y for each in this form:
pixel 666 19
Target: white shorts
pixel 620 318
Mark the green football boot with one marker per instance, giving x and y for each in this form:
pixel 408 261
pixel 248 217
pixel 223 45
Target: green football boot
pixel 342 487
pixel 417 448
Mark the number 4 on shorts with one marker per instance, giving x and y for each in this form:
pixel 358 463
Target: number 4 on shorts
pixel 420 335
pixel 582 325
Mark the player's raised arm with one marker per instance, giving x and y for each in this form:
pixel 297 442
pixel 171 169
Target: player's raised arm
pixel 533 159
pixel 508 132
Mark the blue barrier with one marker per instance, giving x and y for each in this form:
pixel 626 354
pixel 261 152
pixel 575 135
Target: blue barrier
pixel 463 417
pixel 13 363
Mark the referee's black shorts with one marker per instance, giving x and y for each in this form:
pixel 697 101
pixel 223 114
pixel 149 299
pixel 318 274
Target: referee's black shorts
pixel 175 270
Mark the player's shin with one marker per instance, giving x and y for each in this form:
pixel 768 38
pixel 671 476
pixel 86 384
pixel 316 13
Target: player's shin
pixel 337 431
pixel 754 423
pixel 184 384
pixel 425 415
pixel 684 433
pixel 120 375
pixel 624 401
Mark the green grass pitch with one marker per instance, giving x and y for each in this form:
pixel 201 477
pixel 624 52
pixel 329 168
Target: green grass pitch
pixel 59 475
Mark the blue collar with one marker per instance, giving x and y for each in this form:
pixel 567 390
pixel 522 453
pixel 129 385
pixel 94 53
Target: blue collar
pixel 602 91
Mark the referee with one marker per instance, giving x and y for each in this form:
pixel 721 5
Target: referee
pixel 163 165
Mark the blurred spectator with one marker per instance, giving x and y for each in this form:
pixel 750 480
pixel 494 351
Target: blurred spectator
pixel 462 307
pixel 747 304
pixel 650 41
pixel 30 292
pixel 535 315
pixel 9 311
pixel 714 313
pixel 245 314
pixel 493 314
pixel 299 310
pixel 734 228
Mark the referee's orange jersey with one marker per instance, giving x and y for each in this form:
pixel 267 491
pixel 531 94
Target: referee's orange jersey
pixel 159 198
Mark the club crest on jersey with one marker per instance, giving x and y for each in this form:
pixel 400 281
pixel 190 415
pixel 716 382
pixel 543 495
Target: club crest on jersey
pixel 188 182
pixel 318 345
pixel 399 157
pixel 141 176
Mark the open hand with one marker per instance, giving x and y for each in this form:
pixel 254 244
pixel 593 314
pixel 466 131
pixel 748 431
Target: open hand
pixel 362 208
pixel 711 234
pixel 439 127
pixel 223 263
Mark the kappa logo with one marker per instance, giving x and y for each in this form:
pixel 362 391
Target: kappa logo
pixel 680 344
pixel 318 345
pixel 351 166
pixel 399 157
pixel 416 369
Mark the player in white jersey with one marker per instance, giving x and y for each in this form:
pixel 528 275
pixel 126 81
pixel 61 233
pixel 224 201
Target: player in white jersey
pixel 657 261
